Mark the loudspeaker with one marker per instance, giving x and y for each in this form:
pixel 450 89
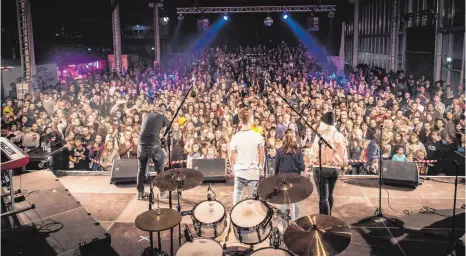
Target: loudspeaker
pixel 214 170
pixel 400 173
pixel 126 171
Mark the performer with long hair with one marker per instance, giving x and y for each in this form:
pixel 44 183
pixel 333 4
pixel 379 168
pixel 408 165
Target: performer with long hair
pixel 289 159
pixel 333 161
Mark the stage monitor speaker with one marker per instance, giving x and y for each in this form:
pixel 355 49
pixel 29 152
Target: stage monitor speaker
pixel 214 170
pixel 125 171
pixel 400 173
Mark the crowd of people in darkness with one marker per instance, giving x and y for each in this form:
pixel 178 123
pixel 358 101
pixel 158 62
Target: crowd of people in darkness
pixel 97 117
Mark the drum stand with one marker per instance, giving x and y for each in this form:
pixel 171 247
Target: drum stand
pixel 178 208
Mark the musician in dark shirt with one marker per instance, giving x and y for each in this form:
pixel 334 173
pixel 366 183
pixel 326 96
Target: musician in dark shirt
pixel 150 146
pixel 289 159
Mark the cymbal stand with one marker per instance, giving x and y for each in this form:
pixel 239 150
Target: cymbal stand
pixel 178 208
pixel 169 139
pixel 154 251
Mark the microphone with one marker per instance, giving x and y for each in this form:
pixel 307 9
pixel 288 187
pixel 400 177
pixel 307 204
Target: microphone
pixel 187 234
pixel 209 195
pixel 194 90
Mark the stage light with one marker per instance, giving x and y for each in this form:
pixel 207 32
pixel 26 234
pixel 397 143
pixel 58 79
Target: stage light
pixel 165 19
pixel 285 16
pixel 268 21
pixel 225 16
pixel 180 17
pixel 153 48
pixel 449 59
pixel 331 15
pixel 88 49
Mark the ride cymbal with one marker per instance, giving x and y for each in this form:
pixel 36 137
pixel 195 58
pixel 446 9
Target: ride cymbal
pixel 158 219
pixel 178 179
pixel 317 235
pixel 285 188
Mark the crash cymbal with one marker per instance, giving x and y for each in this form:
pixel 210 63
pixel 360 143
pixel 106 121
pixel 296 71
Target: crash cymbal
pixel 179 179
pixel 317 235
pixel 285 188
pixel 153 220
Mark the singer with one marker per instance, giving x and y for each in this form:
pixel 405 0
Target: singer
pixel 150 146
pixel 333 161
pixel 247 156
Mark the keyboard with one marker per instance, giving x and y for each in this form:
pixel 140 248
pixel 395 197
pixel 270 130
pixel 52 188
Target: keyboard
pixel 12 156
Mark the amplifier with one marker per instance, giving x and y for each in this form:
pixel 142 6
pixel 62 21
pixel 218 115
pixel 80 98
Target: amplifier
pixel 214 170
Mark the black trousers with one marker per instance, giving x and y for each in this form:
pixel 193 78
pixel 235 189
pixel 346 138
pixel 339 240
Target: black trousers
pixel 144 153
pixel 329 180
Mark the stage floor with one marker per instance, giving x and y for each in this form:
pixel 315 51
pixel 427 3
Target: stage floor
pixel 414 232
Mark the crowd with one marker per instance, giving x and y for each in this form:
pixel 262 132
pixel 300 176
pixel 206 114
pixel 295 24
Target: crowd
pixel 98 117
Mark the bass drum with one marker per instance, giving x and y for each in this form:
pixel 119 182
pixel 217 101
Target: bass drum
pixel 271 251
pixel 209 218
pixel 200 247
pixel 251 220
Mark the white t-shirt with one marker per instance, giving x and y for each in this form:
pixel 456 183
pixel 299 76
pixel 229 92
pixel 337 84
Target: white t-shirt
pixel 246 143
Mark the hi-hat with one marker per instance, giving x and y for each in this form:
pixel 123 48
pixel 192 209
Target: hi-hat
pixel 178 179
pixel 158 219
pixel 285 188
pixel 317 235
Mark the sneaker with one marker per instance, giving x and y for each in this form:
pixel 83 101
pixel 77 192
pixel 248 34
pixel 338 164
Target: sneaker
pixel 140 195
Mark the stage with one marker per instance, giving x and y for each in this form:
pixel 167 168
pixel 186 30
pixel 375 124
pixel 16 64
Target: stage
pixel 413 232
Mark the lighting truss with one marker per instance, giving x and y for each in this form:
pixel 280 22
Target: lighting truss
pixel 251 9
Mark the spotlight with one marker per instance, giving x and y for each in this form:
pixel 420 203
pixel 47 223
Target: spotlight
pixel 285 16
pixel 153 48
pixel 331 15
pixel 88 49
pixel 268 21
pixel 449 59
pixel 165 19
pixel 180 17
pixel 225 16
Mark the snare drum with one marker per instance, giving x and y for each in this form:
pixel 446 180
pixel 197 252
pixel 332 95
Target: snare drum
pixel 200 247
pixel 209 218
pixel 271 251
pixel 251 221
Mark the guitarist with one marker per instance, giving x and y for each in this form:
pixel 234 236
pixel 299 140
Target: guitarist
pixel 150 145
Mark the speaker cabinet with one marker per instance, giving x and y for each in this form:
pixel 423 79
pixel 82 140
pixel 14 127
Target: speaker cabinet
pixel 400 173
pixel 214 170
pixel 125 171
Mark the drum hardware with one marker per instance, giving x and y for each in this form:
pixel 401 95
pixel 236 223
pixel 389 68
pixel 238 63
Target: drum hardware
pixel 275 240
pixel 186 213
pixel 317 235
pixel 187 234
pixel 178 180
pixel 211 195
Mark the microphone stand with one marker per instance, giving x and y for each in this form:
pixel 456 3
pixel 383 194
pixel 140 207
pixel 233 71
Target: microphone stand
pixel 378 212
pixel 456 163
pixel 321 142
pixel 168 142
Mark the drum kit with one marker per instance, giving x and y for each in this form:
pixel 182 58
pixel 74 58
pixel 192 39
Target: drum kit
pixel 250 220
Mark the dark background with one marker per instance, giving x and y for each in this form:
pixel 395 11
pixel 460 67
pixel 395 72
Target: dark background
pixel 87 23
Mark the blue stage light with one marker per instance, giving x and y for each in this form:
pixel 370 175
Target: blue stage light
pixel 225 17
pixel 285 16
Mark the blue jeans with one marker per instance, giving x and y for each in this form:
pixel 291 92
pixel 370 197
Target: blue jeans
pixel 294 212
pixel 238 188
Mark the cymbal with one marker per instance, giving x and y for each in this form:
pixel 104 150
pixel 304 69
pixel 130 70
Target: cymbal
pixel 152 220
pixel 317 235
pixel 178 179
pixel 285 188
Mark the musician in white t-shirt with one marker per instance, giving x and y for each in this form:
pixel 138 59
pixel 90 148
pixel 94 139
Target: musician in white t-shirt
pixel 247 156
